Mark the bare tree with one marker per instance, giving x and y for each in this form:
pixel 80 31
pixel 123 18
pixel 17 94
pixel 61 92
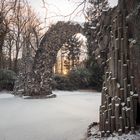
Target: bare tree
pixel 4 11
pixel 19 28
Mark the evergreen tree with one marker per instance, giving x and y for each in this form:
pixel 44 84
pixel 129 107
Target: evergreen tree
pixel 92 27
pixel 72 51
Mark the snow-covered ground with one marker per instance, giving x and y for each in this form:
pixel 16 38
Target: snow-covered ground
pixel 63 118
pixel 95 135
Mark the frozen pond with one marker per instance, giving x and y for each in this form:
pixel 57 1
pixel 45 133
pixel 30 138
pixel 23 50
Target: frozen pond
pixel 63 118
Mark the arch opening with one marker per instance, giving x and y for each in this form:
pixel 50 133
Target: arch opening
pixel 71 55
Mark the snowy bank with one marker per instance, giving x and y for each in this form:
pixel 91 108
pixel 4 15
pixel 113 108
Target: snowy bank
pixel 93 133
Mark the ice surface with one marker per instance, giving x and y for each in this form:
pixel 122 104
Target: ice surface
pixel 63 118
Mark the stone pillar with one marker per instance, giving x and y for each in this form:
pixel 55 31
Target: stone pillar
pixel 125 90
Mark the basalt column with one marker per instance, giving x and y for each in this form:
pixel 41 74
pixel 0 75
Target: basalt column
pixel 118 110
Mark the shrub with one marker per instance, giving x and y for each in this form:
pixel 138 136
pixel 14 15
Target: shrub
pixel 96 71
pixel 80 78
pixel 7 79
pixel 62 82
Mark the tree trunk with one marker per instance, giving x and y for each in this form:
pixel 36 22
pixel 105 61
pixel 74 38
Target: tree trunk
pixel 1 52
pixel 10 58
pixel 16 61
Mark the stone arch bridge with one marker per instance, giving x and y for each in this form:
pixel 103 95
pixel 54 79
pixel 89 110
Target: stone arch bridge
pixel 37 81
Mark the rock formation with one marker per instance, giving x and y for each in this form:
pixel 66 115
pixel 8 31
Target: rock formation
pixel 120 104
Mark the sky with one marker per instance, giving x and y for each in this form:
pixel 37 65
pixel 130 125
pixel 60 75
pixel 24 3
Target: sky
pixel 59 9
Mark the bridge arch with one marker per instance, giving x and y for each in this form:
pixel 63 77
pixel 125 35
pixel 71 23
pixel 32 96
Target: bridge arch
pixel 40 77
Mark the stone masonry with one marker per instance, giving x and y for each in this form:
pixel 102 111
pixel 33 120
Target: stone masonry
pixel 36 82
